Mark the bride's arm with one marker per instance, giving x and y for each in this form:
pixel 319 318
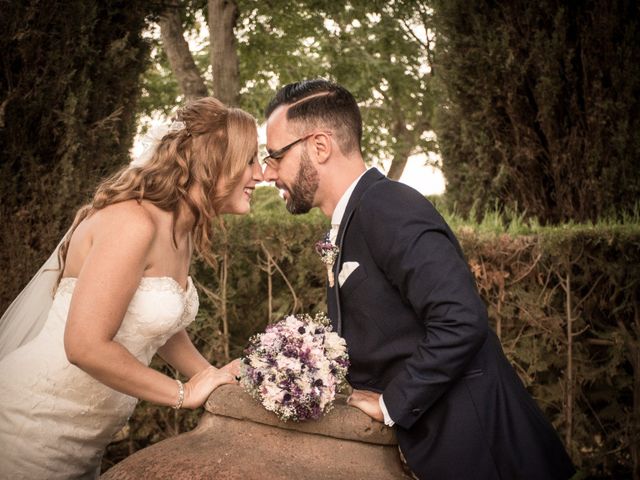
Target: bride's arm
pixel 182 355
pixel 109 277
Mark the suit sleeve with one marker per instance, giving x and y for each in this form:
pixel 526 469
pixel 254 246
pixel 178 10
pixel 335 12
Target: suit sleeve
pixel 412 245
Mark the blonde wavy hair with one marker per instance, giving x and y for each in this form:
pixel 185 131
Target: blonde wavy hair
pixel 216 142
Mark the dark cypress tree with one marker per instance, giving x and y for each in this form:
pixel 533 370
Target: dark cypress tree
pixel 542 109
pixel 68 90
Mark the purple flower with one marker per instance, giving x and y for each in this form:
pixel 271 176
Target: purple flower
pixel 294 367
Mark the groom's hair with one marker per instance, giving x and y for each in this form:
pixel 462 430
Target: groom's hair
pixel 320 103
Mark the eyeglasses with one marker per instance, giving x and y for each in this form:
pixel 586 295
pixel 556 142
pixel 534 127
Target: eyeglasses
pixel 272 160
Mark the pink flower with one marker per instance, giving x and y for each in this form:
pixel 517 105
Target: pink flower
pixel 295 367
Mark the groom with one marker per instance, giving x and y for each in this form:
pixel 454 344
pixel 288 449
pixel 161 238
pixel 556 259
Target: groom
pixel 422 355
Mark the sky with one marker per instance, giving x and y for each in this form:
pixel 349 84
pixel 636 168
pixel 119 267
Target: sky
pixel 428 180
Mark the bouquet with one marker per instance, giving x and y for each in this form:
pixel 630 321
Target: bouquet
pixel 295 367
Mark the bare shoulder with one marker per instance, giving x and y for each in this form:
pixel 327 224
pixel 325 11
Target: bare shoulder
pixel 122 227
pixel 128 220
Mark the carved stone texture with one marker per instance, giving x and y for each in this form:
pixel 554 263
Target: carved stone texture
pixel 237 438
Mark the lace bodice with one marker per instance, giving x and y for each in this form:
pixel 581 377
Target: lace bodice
pixel 159 308
pixel 56 419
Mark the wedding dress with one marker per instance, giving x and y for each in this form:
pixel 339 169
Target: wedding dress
pixel 55 419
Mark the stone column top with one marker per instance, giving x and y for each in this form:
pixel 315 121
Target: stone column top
pixel 343 422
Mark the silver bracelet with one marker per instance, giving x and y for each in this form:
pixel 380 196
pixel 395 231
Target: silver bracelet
pixel 178 405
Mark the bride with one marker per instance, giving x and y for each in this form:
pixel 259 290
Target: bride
pixel 123 293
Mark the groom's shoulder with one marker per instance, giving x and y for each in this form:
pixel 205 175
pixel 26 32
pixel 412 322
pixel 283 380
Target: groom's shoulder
pixel 391 195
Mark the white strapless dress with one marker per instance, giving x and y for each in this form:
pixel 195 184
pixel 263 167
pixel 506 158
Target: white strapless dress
pixel 55 419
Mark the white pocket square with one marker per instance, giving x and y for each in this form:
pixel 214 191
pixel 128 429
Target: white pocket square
pixel 347 269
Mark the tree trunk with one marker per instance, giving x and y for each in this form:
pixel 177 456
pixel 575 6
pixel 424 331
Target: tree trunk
pixel 403 147
pixel 398 163
pixel 179 55
pixel 223 15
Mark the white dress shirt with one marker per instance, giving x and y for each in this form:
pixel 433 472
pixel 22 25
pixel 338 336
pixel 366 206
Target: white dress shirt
pixel 341 206
pixel 336 218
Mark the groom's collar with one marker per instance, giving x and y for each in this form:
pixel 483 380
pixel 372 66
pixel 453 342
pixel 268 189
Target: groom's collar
pixel 341 206
pixel 368 178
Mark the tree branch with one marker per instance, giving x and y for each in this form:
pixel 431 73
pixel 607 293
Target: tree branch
pixel 182 64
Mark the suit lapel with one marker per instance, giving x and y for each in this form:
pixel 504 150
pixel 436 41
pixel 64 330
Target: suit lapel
pixel 369 178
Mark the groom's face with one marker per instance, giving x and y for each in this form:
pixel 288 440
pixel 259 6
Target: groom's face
pixel 303 189
pixel 294 173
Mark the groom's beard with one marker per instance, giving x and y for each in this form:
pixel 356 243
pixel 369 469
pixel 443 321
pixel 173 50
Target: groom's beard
pixel 304 187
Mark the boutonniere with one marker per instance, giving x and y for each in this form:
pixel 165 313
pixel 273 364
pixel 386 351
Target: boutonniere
pixel 328 254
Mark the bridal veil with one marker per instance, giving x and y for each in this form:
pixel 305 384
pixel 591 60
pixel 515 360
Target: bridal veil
pixel 26 315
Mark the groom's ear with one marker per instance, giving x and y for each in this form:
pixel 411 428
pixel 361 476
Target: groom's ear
pixel 321 147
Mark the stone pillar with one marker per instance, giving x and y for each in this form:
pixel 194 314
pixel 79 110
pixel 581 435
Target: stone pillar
pixel 237 438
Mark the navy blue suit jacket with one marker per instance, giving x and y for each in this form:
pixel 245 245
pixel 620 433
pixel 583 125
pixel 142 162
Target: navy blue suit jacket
pixel 417 331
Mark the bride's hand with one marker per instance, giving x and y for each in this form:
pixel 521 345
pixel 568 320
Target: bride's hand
pixel 232 367
pixel 200 386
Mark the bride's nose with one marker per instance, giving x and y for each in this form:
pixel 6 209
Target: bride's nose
pixel 256 172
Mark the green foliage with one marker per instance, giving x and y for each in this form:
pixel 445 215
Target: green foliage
pixel 567 299
pixel 537 282
pixel 370 47
pixel 542 112
pixel 271 268
pixel 68 92
pixel 382 52
pixel 373 48
pixel 160 94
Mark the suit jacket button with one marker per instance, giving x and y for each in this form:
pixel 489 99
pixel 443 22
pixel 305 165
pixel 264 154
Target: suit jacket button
pixel 416 411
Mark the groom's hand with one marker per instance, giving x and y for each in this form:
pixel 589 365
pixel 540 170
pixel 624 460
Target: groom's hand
pixel 368 402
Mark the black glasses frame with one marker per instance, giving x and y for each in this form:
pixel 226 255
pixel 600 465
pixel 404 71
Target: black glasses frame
pixel 272 160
